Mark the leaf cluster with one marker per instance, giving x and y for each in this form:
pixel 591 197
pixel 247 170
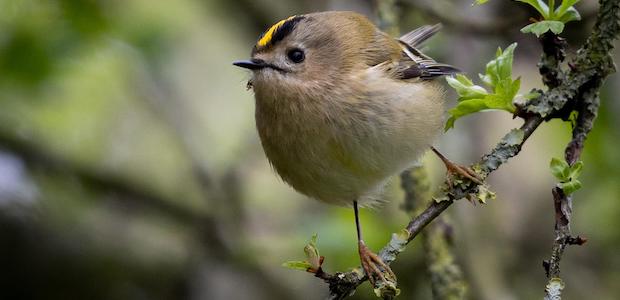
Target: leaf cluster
pixel 566 174
pixel 498 78
pixel 553 18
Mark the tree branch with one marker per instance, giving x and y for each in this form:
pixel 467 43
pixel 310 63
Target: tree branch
pixel 594 58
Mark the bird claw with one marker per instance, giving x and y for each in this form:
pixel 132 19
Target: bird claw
pixel 458 170
pixel 373 265
pixel 462 171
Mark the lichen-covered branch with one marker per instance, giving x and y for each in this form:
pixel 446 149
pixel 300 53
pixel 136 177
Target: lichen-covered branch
pixel 566 93
pixel 592 63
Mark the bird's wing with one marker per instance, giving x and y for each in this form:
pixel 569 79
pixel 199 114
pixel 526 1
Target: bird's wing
pixel 416 37
pixel 412 62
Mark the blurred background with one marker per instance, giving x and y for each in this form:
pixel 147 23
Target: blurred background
pixel 130 167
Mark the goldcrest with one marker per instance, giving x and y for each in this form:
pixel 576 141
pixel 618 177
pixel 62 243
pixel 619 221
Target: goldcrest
pixel 341 106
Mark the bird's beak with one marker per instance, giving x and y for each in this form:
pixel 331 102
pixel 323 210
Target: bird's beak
pixel 252 64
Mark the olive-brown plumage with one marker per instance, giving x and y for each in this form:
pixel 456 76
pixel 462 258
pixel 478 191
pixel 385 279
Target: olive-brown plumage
pixel 341 106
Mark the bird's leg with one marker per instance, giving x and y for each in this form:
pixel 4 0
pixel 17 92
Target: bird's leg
pixel 372 264
pixel 455 169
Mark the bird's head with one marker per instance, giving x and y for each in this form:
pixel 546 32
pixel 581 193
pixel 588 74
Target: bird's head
pixel 308 51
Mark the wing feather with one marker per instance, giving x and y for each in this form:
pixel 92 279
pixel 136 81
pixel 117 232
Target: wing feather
pixel 415 64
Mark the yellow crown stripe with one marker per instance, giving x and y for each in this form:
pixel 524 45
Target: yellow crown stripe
pixel 269 34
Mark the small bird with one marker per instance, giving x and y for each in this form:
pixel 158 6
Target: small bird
pixel 341 107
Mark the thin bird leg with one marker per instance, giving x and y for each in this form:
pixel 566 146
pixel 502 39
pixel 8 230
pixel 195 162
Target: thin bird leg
pixel 453 168
pixel 371 262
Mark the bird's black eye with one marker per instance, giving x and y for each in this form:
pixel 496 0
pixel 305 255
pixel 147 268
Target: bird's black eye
pixel 296 55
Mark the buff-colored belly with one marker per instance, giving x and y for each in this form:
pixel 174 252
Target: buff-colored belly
pixel 349 155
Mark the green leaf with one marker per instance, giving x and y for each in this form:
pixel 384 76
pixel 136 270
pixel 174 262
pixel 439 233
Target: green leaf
pixel 541 27
pixel 560 169
pixel 567 175
pixel 575 170
pixel 501 67
pixel 565 6
pixel 312 253
pixel 539 5
pixel 474 98
pixel 465 88
pixel 566 12
pixel 297 265
pixel 313 260
pixel 480 2
pixel 505 91
pixel 570 187
pixel 570 15
pixel 464 108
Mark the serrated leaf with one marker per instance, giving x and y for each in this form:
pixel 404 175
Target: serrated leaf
pixel 539 5
pixel 474 98
pixel 297 265
pixel 559 169
pixel 501 67
pixel 539 28
pixel 570 187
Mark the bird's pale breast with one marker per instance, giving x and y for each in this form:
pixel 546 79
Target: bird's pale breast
pixel 346 146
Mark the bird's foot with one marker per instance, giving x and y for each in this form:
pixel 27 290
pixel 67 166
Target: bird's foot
pixel 458 170
pixel 373 265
